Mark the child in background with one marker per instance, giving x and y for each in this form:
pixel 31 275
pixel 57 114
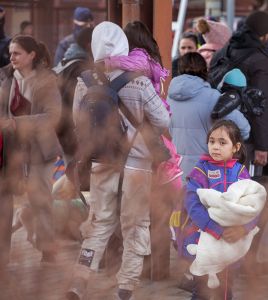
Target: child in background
pixel 144 56
pixel 215 34
pixel 218 170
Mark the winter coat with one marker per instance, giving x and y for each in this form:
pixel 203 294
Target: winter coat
pixel 191 101
pixel 62 47
pixel 216 175
pixel 4 51
pixel 239 205
pixel 139 95
pixel 37 130
pixel 139 60
pixel 4 44
pixel 255 68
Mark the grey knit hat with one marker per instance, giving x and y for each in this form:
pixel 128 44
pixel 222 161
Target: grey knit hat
pixel 258 22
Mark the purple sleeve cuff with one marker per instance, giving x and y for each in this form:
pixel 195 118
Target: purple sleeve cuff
pixel 249 226
pixel 214 229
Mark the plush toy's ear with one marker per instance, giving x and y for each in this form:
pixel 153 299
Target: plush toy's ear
pixel 213 281
pixel 192 249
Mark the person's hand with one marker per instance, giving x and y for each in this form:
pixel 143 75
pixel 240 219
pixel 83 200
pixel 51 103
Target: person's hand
pixel 7 123
pixel 260 158
pixel 233 234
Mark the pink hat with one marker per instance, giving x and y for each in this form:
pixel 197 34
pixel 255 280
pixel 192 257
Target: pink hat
pixel 214 32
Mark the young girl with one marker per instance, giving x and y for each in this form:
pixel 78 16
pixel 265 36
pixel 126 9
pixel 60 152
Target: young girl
pixel 144 56
pixel 218 170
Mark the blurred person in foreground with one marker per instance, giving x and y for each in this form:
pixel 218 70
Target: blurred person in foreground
pixel 140 97
pixel 30 110
pixel 77 59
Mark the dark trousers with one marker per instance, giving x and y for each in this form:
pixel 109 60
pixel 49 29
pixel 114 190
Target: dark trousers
pixel 224 292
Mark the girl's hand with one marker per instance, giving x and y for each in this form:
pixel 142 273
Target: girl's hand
pixel 233 234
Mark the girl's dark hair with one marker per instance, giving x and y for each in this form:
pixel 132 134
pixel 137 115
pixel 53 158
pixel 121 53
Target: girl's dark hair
pixel 235 136
pixel 191 36
pixel 139 36
pixel 29 44
pixel 193 63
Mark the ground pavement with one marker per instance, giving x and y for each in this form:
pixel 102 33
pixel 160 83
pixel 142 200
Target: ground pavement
pixel 27 280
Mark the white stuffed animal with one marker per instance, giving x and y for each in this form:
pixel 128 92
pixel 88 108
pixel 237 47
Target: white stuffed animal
pixel 242 202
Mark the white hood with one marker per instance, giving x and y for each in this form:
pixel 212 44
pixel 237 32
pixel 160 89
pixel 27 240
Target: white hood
pixel 108 39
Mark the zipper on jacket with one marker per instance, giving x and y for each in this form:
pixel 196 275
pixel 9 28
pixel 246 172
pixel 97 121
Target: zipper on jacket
pixel 224 178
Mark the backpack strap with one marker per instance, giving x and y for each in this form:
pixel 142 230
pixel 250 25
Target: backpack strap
pixel 123 79
pixel 61 67
pixel 117 84
pixel 88 79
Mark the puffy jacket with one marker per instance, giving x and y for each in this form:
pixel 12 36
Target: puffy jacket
pixel 63 45
pixel 139 95
pixel 139 60
pixel 217 175
pixel 255 67
pixel 191 101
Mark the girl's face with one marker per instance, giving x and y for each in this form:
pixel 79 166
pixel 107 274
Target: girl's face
pixel 220 146
pixel 20 59
pixel 187 45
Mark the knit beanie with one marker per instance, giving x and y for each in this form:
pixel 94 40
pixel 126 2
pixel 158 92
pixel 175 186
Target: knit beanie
pixel 214 32
pixel 258 22
pixel 235 77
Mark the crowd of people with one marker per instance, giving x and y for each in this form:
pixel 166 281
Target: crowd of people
pixel 182 145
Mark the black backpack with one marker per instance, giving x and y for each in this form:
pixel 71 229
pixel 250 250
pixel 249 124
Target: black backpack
pixel 100 128
pixel 222 63
pixel 250 101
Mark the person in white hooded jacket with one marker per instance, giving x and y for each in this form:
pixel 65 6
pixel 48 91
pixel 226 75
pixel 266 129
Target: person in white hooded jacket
pixel 139 96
